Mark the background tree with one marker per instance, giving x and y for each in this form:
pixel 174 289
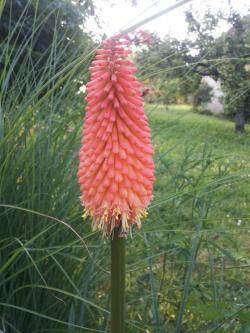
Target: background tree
pixel 224 58
pixel 163 64
pixel 175 68
pixel 29 30
pixel 235 78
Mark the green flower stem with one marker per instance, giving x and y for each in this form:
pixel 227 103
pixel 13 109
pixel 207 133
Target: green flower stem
pixel 117 282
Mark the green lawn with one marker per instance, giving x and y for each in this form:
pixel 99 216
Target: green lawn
pixel 178 131
pixel 182 124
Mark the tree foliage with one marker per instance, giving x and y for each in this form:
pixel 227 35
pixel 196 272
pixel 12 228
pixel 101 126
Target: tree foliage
pixel 224 58
pixel 175 68
pixel 30 29
pixel 164 65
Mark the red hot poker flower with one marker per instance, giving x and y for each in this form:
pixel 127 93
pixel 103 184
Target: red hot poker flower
pixel 116 169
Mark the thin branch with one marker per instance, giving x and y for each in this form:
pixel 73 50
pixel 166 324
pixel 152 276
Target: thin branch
pixel 155 16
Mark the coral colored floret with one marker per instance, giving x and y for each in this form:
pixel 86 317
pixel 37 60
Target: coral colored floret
pixel 116 170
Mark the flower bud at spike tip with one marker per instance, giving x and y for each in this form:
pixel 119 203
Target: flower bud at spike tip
pixel 116 170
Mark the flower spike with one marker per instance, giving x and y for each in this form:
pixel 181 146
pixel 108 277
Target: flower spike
pixel 116 170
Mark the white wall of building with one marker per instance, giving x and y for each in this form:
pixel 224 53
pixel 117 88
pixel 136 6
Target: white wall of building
pixel 215 105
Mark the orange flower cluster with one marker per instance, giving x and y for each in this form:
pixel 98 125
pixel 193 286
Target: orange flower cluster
pixel 116 170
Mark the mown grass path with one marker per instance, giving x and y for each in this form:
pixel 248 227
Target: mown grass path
pixel 178 129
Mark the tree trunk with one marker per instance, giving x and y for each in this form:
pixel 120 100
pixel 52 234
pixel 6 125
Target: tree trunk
pixel 240 118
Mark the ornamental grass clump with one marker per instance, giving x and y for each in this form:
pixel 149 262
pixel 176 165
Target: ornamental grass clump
pixel 116 169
